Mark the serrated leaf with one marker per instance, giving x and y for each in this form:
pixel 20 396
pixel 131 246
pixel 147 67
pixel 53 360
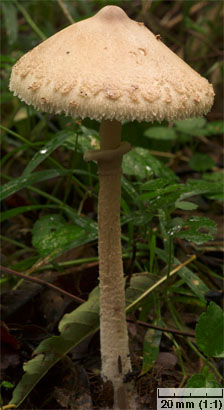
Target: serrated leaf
pixel 22 182
pixel 201 162
pixel 165 201
pixel 47 150
pixel 161 133
pixel 200 186
pixel 210 331
pixel 162 195
pixel 151 348
pixel 190 230
pixel 52 233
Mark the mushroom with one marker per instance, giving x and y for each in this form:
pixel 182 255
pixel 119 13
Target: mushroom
pixel 111 68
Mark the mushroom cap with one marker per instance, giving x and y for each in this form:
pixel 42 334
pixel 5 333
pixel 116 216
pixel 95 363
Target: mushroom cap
pixel 110 67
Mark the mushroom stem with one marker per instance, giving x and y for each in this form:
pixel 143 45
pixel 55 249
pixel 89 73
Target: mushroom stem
pixel 110 134
pixel 113 326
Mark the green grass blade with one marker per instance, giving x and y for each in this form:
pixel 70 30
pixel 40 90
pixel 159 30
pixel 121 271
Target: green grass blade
pixel 4 216
pixel 22 182
pixel 47 150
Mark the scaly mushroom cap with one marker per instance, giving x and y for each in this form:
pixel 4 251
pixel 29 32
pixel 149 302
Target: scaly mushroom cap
pixel 110 67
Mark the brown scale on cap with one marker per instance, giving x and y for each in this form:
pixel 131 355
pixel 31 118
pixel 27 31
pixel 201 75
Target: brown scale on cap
pixel 121 53
pixel 35 86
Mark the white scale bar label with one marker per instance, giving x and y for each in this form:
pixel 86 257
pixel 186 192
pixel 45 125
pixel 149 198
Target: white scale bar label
pixel 197 399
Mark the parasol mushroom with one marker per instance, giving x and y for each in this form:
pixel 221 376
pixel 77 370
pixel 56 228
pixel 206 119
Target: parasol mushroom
pixel 110 68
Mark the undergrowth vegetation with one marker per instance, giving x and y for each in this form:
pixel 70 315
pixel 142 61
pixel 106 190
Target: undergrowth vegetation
pixel 171 216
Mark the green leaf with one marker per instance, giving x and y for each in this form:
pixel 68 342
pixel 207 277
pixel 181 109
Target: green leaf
pixel 196 229
pixel 25 264
pixel 139 284
pixel 153 185
pixel 139 162
pixel 151 348
pixel 47 150
pixel 200 186
pixel 161 133
pixel 22 182
pixel 162 194
pixel 89 225
pixel 51 233
pixel 10 19
pixel 138 217
pixel 213 177
pixel 85 141
pixel 129 188
pixel 210 331
pixel 201 162
pixel 186 206
pixel 191 125
pixel 214 128
pixel 200 381
pixel 205 379
pixel 74 327
pixel 6 384
pixel 216 181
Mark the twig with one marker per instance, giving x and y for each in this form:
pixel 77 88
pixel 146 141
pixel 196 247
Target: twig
pixel 169 155
pixel 41 282
pixel 160 281
pixel 163 329
pixel 65 11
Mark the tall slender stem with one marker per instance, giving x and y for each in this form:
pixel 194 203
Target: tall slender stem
pixel 113 326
